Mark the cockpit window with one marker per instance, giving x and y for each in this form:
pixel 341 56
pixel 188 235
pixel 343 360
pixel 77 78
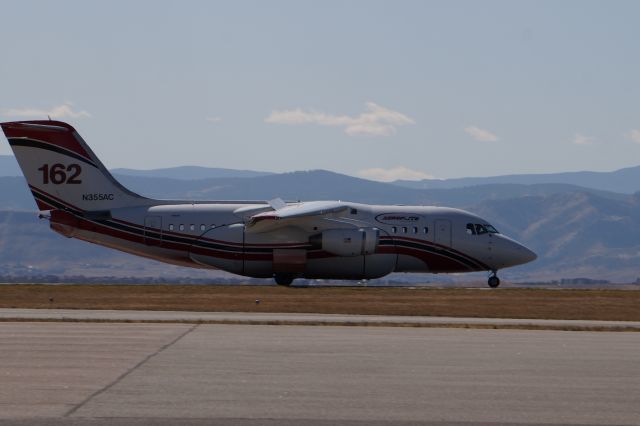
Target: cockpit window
pixel 491 229
pixel 471 230
pixel 480 228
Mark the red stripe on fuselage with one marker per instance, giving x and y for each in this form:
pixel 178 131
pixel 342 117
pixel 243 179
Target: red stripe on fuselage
pixel 437 262
pixel 449 250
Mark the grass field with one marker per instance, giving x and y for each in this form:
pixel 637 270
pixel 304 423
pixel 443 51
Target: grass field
pixel 619 305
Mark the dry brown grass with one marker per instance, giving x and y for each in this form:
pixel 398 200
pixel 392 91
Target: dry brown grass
pixel 620 305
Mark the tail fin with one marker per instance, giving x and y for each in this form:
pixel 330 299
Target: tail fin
pixel 62 171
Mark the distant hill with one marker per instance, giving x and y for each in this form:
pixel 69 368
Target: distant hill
pixel 29 247
pixel 625 181
pixel 190 173
pixel 317 184
pixel 305 186
pixel 576 231
pixel 15 194
pixel 575 234
pixel 9 166
pixel 325 185
pixel 578 234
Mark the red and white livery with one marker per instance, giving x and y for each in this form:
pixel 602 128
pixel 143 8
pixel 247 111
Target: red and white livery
pixel 316 239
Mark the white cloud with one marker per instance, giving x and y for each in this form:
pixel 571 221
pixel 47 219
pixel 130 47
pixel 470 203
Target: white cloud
pixel 394 173
pixel 634 135
pixel 214 119
pixel 375 121
pixel 59 111
pixel 481 135
pixel 579 139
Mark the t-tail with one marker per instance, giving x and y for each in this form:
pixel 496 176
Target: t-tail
pixel 62 171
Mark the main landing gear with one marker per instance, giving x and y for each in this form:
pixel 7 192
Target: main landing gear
pixel 284 279
pixel 493 280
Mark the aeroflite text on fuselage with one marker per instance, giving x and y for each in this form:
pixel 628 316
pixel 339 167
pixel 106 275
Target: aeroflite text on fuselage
pixel 316 239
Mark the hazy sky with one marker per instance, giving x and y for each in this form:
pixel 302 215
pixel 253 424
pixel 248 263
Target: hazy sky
pixel 394 89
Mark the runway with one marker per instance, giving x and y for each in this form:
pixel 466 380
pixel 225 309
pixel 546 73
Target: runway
pixel 56 373
pixel 91 315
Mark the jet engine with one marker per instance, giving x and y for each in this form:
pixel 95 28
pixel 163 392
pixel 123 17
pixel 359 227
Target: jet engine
pixel 347 242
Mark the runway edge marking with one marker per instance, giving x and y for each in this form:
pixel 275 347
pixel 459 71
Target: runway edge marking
pixel 316 323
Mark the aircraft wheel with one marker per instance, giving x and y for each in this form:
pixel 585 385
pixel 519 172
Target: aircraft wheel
pixel 493 281
pixel 283 279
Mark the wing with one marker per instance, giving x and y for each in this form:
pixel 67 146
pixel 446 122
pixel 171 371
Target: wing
pixel 292 214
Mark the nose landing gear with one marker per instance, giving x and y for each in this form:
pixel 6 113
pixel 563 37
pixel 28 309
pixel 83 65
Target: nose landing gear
pixel 493 280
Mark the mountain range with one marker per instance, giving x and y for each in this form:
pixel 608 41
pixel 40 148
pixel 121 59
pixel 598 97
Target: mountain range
pixel 625 181
pixel 577 231
pixel 9 168
pixel 190 173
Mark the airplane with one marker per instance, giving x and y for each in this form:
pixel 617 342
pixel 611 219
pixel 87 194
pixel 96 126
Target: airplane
pixel 335 240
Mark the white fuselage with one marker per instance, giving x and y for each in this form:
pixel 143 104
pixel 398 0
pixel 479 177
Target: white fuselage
pixel 407 239
pixel 315 239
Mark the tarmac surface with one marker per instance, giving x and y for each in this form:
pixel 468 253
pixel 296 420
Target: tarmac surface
pixel 303 319
pixel 55 373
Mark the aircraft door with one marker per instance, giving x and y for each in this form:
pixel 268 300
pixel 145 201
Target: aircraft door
pixel 153 230
pixel 442 232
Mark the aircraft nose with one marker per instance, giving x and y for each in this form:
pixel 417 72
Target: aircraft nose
pixel 524 255
pixel 512 253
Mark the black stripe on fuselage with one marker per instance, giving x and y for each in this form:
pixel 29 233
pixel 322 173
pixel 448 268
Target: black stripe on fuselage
pixel 459 257
pixel 143 232
pixel 32 143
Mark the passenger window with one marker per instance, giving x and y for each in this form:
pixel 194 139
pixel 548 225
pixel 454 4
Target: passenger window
pixel 415 229
pixel 192 227
pixel 171 227
pixel 181 227
pixel 213 226
pixel 202 227
pixel 470 229
pixel 394 229
pixel 425 230
pixel 404 229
